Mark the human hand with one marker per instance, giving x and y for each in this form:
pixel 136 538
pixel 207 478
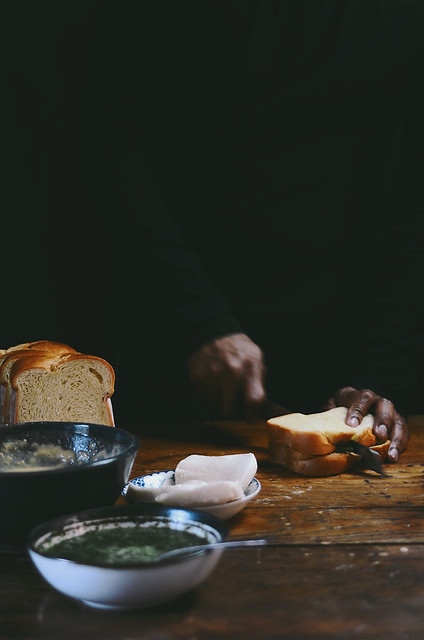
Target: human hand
pixel 388 423
pixel 228 375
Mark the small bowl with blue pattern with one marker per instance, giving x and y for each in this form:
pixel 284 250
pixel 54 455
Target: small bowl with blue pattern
pixel 147 488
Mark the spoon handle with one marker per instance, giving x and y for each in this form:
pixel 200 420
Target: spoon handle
pixel 254 542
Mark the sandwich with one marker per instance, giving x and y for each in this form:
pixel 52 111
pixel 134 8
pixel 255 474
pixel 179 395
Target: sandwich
pixel 317 444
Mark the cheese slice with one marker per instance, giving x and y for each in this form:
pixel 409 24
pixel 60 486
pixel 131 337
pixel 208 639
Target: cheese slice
pixel 146 493
pixel 239 467
pixel 201 494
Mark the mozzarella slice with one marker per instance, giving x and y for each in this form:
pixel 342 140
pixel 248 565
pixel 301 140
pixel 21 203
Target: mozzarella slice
pixel 239 467
pixel 146 493
pixel 199 493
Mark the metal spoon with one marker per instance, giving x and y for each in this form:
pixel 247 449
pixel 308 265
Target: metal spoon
pixel 182 551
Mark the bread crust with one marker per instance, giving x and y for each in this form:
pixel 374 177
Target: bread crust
pixel 52 361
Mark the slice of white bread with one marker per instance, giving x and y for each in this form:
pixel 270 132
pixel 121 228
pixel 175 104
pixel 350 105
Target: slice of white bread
pixel 10 356
pixel 48 381
pixel 307 443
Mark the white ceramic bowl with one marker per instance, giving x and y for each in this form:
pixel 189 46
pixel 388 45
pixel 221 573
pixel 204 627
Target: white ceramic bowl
pixel 131 585
pixel 223 511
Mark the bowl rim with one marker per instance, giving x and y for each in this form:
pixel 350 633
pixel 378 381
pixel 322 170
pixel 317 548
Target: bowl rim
pixel 134 445
pixel 124 511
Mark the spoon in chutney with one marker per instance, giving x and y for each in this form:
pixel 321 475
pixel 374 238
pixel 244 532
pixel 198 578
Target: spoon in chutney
pixel 183 551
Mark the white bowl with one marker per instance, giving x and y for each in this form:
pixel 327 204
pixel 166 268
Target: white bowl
pixel 130 585
pixel 156 480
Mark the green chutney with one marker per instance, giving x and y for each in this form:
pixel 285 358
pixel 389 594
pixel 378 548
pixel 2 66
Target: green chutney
pixel 122 545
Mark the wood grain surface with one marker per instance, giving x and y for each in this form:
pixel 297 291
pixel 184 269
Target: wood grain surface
pixel 346 558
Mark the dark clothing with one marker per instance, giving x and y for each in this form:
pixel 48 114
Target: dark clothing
pixel 242 166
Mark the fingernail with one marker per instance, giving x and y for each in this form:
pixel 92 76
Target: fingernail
pixel 381 431
pixel 353 422
pixel 393 454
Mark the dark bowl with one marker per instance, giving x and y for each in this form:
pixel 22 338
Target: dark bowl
pixel 30 497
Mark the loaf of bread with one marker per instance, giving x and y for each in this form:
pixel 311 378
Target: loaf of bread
pixel 50 381
pixel 307 444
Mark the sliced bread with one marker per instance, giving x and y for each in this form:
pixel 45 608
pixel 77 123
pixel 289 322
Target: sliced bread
pixel 7 360
pixel 48 381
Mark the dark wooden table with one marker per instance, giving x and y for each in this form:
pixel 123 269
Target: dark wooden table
pixel 347 560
